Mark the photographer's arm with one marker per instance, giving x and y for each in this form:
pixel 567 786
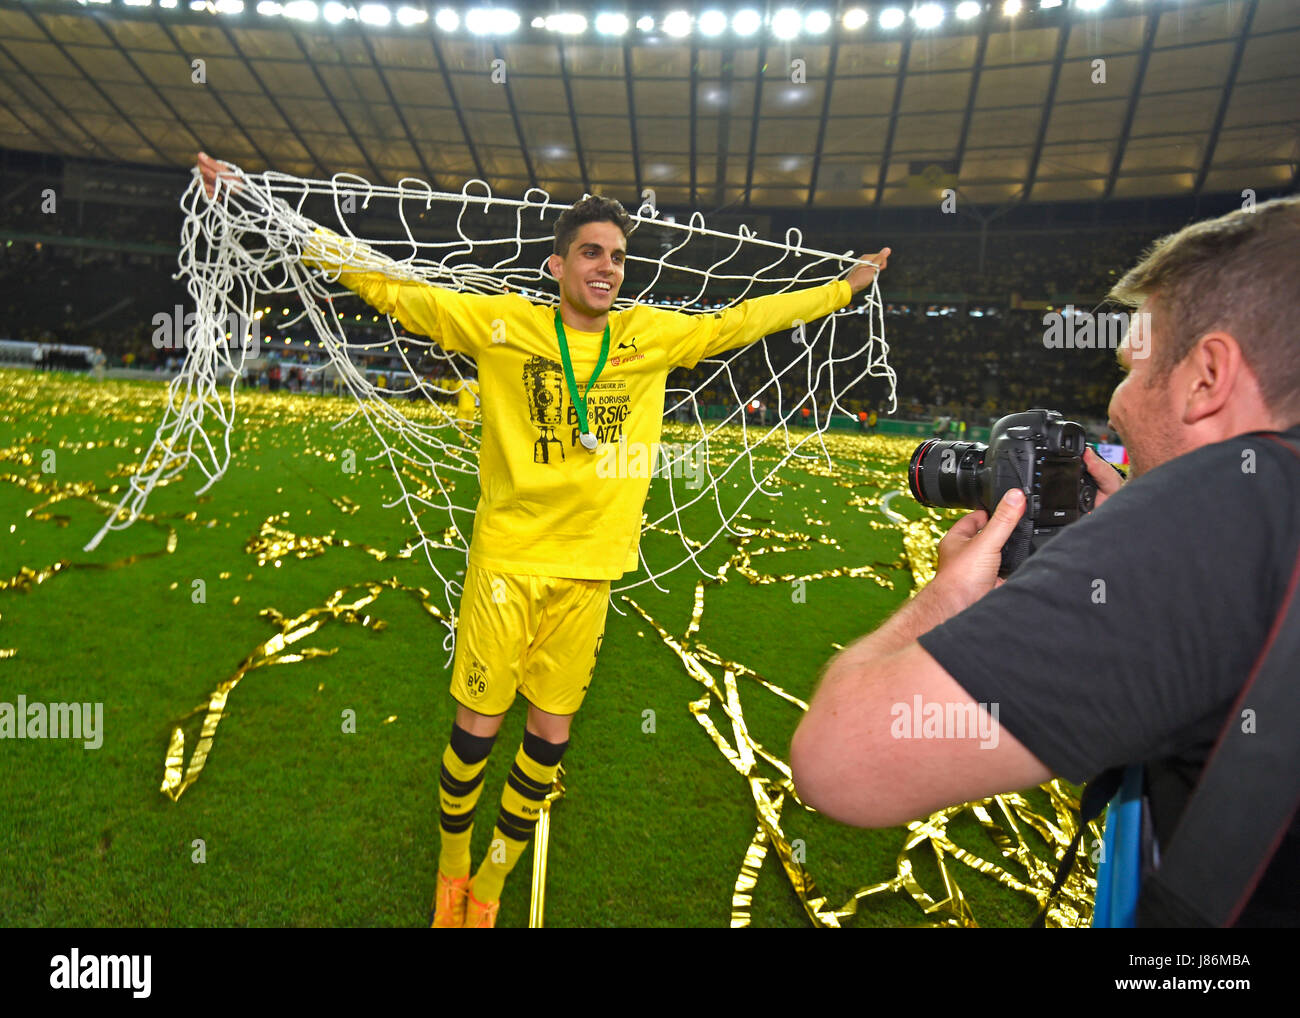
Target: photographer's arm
pixel 845 759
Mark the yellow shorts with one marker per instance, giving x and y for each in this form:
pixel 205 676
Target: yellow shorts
pixel 535 635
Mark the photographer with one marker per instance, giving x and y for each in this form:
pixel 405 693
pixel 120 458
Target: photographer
pixel 1128 639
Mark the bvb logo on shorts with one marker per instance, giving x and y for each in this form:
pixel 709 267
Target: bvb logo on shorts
pixel 476 682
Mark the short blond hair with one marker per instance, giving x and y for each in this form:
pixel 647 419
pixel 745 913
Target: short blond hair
pixel 1239 273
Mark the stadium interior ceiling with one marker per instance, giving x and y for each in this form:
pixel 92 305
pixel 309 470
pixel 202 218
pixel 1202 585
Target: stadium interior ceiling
pixel 823 107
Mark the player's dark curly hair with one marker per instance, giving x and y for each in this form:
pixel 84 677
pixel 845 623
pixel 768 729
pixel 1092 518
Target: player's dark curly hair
pixel 592 209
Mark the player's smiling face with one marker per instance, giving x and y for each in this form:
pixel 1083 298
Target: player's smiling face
pixel 591 273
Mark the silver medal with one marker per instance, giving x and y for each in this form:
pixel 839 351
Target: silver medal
pixel 588 441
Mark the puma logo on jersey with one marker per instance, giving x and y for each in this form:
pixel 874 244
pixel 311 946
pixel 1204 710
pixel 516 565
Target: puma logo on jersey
pixel 635 355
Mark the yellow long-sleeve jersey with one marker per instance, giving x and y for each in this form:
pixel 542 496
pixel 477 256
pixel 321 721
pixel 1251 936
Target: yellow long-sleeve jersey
pixel 545 509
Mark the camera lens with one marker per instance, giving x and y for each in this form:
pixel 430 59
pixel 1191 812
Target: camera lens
pixel 945 475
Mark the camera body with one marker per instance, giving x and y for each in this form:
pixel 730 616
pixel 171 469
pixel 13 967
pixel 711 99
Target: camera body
pixel 1036 451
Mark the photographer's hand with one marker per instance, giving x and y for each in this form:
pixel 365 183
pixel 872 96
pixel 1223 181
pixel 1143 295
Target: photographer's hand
pixel 1109 480
pixel 970 554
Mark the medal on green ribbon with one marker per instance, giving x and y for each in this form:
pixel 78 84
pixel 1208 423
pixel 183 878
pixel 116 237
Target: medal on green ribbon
pixel 587 439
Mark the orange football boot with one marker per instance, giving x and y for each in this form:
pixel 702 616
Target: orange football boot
pixel 449 904
pixel 480 915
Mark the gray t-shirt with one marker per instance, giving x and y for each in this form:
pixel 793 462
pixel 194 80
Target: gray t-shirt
pixel 1128 636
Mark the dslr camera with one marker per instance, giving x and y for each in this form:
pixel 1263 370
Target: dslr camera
pixel 1035 451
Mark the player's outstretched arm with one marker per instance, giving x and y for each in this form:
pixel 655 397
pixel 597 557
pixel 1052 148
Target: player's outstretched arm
pixel 868 267
pixel 449 318
pixel 322 249
pixel 751 320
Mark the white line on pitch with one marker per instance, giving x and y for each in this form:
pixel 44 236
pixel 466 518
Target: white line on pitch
pixel 884 506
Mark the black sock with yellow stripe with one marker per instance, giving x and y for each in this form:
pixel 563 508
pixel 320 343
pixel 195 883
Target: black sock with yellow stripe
pixel 527 786
pixel 460 784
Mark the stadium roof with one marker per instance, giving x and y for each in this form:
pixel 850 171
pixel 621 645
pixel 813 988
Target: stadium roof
pixel 1189 98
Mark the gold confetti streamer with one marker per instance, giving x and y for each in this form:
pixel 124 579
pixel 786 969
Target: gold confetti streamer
pixel 274 652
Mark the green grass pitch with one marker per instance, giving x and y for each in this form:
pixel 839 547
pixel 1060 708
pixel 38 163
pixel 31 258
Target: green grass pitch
pixel 303 824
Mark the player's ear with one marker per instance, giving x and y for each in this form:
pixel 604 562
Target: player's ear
pixel 556 264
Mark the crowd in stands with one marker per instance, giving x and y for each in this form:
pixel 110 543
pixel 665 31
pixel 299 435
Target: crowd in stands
pixel 1029 265
pixel 970 368
pixel 38 205
pixel 976 368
